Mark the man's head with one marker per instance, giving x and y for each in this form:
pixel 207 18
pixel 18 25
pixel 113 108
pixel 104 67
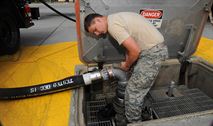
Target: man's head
pixel 95 24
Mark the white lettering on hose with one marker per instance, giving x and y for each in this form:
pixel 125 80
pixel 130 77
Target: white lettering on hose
pixel 45 87
pixel 62 83
pixel 32 90
pixel 55 85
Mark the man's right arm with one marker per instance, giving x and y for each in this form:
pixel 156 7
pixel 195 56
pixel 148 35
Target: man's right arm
pixel 133 52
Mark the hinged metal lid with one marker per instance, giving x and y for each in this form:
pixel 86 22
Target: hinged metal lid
pixel 181 23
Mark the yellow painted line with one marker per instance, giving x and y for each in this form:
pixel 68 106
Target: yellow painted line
pixel 205 49
pixel 36 65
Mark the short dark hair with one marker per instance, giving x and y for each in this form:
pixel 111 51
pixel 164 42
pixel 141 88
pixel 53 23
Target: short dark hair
pixel 88 20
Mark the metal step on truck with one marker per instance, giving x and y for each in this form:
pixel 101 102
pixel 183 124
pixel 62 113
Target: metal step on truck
pixel 15 14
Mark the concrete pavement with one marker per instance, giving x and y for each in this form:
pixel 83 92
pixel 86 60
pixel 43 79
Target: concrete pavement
pixel 51 28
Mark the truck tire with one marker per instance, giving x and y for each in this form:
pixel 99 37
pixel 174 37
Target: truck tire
pixel 211 15
pixel 9 34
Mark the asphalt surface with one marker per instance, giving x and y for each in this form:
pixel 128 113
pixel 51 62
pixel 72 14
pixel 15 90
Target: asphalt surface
pixel 52 28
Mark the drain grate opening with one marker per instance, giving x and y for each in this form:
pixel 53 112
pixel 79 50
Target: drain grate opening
pixel 190 101
pixel 185 101
pixel 92 113
pixel 102 123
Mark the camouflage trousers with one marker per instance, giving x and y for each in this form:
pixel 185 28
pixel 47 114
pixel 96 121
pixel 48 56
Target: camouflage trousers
pixel 143 75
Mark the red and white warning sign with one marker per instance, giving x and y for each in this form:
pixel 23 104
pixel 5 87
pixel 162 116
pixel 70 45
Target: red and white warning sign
pixel 153 15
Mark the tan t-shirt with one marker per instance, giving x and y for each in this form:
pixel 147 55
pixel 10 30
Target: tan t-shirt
pixel 125 24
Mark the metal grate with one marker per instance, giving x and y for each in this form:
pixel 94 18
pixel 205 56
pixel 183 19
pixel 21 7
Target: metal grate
pixel 191 100
pixel 92 109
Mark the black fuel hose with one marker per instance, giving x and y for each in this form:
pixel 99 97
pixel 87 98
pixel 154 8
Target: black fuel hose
pixel 56 86
pixel 43 89
pixel 56 11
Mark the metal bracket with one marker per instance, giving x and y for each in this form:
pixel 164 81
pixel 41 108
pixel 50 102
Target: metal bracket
pixel 189 42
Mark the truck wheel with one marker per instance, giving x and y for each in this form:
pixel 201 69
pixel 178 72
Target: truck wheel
pixel 9 34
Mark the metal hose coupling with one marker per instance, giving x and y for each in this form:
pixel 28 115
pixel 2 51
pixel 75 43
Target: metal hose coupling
pixel 103 74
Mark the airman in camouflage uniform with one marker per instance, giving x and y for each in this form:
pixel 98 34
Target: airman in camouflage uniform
pixel 142 79
pixel 142 43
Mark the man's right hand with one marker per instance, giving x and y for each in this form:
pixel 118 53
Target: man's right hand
pixel 124 66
